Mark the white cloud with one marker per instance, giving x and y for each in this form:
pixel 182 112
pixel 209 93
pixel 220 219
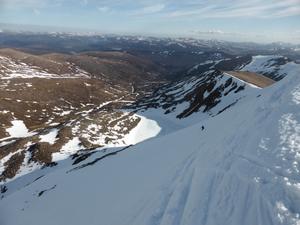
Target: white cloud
pixel 234 9
pixel 29 4
pixel 290 11
pixel 179 8
pixel 151 9
pixel 36 12
pixel 84 2
pixel 103 9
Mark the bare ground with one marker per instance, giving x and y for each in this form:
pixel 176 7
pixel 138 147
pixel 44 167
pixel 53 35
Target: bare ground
pixel 252 78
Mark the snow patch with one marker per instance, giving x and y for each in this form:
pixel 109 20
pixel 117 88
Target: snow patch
pixel 145 129
pixel 18 129
pixel 49 137
pixel 68 149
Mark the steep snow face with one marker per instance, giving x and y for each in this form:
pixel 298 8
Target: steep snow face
pixel 275 67
pixel 239 167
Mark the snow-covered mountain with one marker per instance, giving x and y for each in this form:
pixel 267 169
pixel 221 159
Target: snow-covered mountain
pixel 53 108
pixel 88 114
pixel 210 92
pixel 240 166
pixel 155 131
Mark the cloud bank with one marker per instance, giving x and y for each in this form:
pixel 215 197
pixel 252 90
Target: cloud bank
pixel 211 18
pixel 178 8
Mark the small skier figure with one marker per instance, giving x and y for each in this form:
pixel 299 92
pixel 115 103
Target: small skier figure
pixel 202 128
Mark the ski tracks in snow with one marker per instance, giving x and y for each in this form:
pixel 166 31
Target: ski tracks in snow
pixel 168 205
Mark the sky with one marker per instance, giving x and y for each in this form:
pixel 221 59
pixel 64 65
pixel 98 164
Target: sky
pixel 233 20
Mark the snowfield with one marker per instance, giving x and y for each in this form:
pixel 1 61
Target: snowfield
pixel 240 167
pixel 145 129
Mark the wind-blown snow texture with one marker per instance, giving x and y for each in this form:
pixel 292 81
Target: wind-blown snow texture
pixel 242 168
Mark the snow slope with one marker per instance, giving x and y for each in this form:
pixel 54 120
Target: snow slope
pixel 243 168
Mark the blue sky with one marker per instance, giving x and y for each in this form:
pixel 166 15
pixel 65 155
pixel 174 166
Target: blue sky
pixel 236 20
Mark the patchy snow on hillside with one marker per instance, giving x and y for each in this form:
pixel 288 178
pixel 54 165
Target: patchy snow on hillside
pixel 18 129
pixel 5 159
pixel 276 67
pixel 68 149
pixel 12 69
pixel 145 129
pixel 188 98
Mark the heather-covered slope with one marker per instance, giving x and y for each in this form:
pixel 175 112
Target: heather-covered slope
pixel 238 167
pixel 56 104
